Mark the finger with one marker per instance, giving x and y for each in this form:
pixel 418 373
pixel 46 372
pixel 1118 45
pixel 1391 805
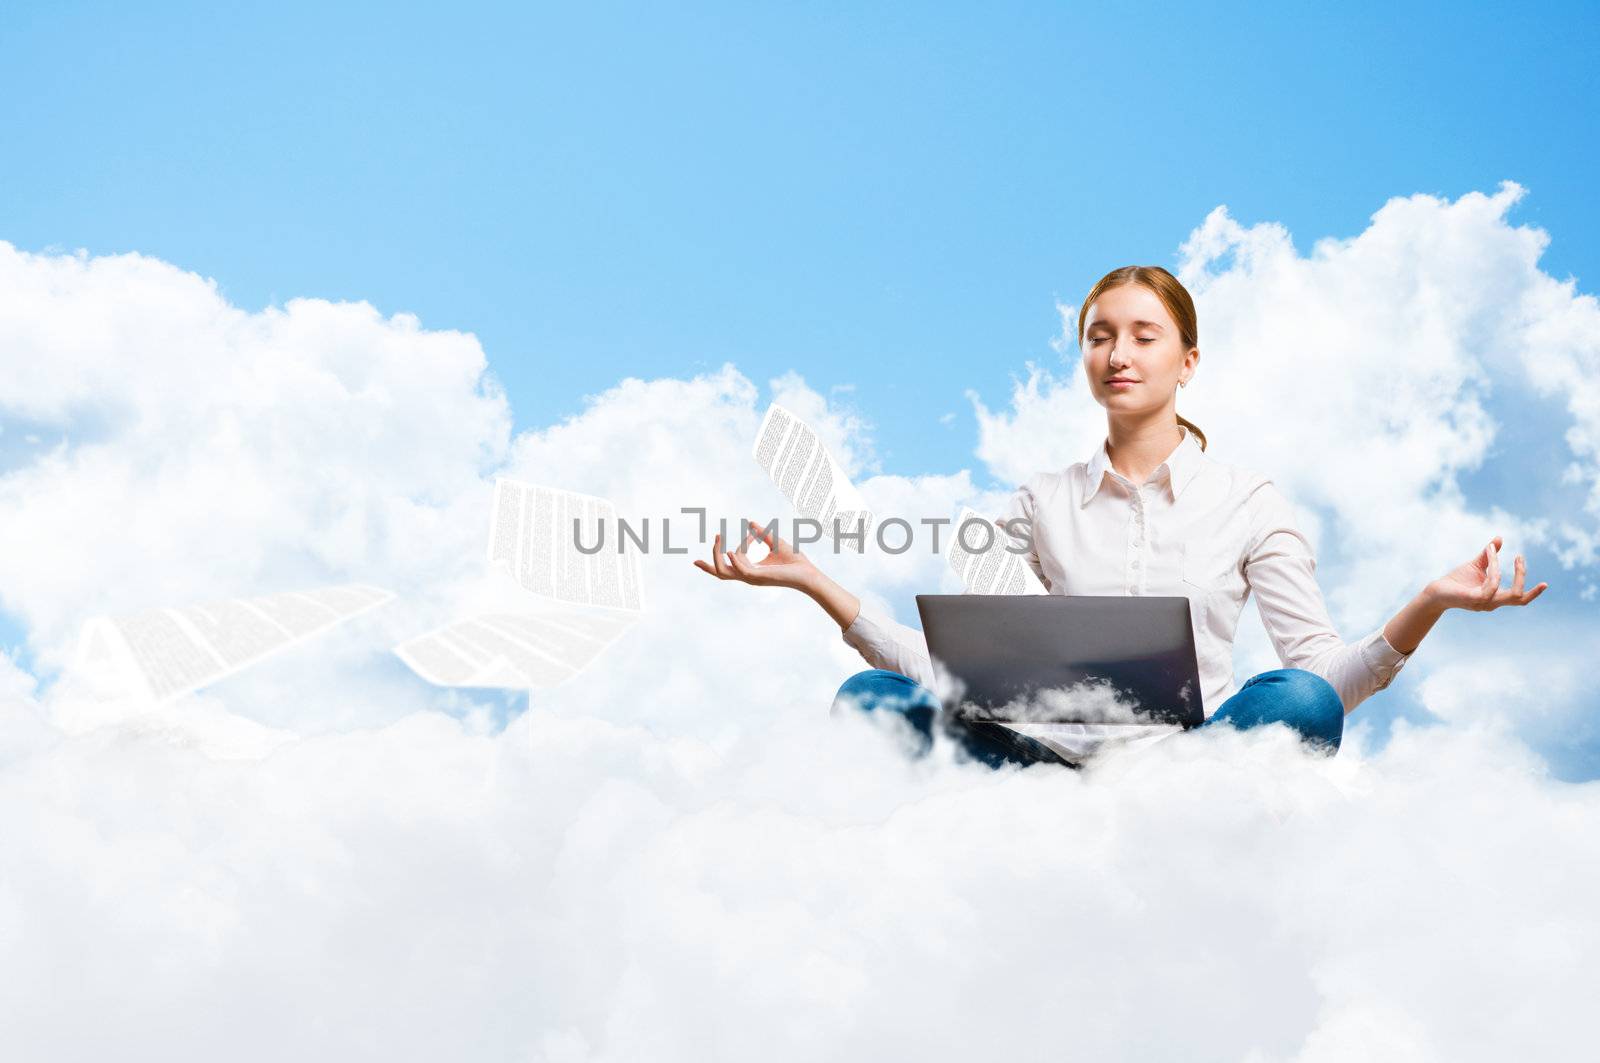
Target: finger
pixel 755 535
pixel 1516 595
pixel 758 534
pixel 707 568
pixel 1483 596
pixel 761 532
pixel 743 566
pixel 777 543
pixel 1519 572
pixel 719 557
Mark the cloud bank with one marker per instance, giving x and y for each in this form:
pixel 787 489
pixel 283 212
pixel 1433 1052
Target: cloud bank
pixel 681 855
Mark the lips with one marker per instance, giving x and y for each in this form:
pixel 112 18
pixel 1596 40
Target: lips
pixel 1120 380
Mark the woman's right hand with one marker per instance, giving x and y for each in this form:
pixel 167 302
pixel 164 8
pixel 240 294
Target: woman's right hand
pixel 784 565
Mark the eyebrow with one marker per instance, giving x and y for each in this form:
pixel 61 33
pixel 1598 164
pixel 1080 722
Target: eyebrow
pixel 1136 324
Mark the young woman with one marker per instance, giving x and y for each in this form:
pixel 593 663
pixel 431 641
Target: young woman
pixel 1150 513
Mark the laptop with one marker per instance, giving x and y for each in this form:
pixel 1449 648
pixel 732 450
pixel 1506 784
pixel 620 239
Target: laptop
pixel 1106 661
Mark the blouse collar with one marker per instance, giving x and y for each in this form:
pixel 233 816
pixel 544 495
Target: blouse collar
pixel 1180 466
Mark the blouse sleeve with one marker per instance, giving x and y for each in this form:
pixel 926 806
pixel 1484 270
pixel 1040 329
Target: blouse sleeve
pixel 886 643
pixel 1281 569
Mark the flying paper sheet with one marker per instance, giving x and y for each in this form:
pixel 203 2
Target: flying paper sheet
pixel 532 534
pixel 794 457
pixel 169 652
pixel 983 562
pixel 562 547
pixel 512 649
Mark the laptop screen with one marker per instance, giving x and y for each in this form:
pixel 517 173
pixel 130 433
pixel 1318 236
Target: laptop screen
pixel 1064 658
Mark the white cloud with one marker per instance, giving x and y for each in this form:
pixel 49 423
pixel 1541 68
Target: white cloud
pixel 207 451
pixel 573 884
pixel 1359 379
pixel 682 856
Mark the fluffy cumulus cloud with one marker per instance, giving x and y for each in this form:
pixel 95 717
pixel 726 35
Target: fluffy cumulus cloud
pixel 163 446
pixel 680 854
pixel 1374 380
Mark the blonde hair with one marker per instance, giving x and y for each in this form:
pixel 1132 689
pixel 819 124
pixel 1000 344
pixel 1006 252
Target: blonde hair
pixel 1173 295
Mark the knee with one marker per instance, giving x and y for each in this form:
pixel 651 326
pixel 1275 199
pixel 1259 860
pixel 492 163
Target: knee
pixel 1314 706
pixel 858 690
pixel 880 690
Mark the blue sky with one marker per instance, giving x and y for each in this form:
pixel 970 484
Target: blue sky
pixel 890 198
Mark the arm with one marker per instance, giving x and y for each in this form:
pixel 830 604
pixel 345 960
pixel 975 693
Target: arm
pixel 1281 569
pixel 882 642
pixel 837 602
pixel 1407 628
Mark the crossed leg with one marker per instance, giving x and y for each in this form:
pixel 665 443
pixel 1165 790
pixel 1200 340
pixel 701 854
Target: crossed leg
pixel 880 690
pixel 1302 700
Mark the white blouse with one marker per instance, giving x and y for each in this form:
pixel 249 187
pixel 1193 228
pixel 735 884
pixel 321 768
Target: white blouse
pixel 1205 529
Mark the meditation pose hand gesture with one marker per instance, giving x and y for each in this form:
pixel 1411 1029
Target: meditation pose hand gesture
pixel 784 565
pixel 1475 584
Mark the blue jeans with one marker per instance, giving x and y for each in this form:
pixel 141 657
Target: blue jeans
pixel 1303 700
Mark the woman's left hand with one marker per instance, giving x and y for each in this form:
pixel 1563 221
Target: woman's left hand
pixel 1475 584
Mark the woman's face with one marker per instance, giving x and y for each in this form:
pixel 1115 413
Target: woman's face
pixel 1129 334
